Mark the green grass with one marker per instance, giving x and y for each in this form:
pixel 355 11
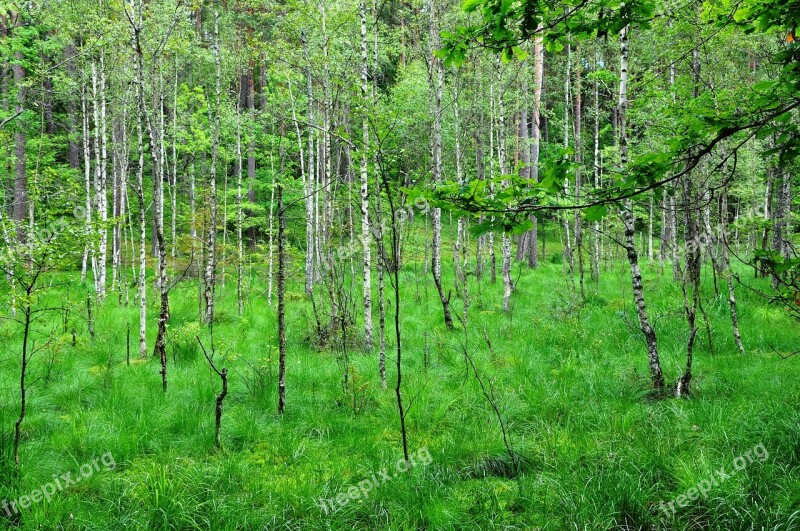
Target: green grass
pixel 571 383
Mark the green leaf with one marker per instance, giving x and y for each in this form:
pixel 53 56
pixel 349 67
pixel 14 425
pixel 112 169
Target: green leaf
pixel 554 46
pixel 764 86
pixel 471 5
pixel 596 213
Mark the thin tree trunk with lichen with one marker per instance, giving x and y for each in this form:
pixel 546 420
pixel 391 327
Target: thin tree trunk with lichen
pixel 728 270
pixel 23 373
pixel 437 80
pixel 281 303
pixel 690 280
pixel 156 131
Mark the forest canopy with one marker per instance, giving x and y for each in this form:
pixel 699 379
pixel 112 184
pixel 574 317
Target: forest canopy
pixel 532 263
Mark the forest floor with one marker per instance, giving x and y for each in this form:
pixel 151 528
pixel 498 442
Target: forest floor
pixel 570 381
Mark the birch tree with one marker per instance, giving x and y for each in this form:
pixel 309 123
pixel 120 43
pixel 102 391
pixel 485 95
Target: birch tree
pixel 364 167
pixel 135 20
pixel 436 86
pixel 100 173
pixel 501 161
pixel 626 213
pixel 211 246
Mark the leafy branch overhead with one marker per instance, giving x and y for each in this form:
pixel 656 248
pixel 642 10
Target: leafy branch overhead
pixel 764 109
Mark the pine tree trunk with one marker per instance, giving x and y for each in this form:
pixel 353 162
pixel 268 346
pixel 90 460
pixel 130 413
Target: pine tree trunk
pixel 74 148
pixel 20 208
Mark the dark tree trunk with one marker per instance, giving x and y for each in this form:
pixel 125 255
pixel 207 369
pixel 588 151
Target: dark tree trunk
pixel 20 208
pixel 74 147
pixel 23 390
pixel 47 104
pixel 281 304
pixel 690 280
pixel 251 147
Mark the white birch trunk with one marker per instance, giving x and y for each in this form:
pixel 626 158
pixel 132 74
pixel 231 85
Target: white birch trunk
pixel 626 213
pixel 88 250
pixel 501 160
pixel 101 183
pixel 239 242
pixel 271 224
pixel 365 226
pixel 211 249
pixel 309 175
pixel 437 77
pixel 568 254
pixel 140 111
pixel 596 225
pixel 174 183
